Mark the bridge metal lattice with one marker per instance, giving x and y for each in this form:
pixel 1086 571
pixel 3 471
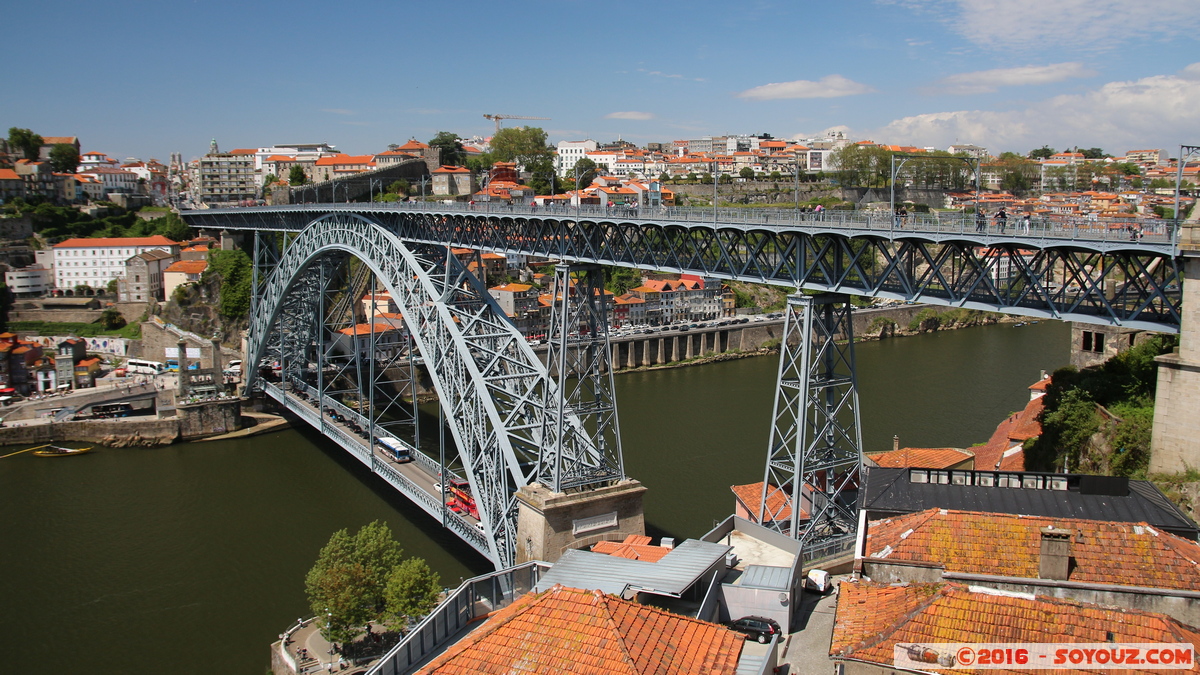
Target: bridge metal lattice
pixel 1069 270
pixel 815 454
pixel 491 386
pixel 579 358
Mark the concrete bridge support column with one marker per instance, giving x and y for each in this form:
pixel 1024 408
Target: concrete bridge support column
pixel 631 354
pixel 1175 443
pixel 688 352
pixel 662 351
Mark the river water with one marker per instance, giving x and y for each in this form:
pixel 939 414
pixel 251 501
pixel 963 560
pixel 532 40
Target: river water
pixel 190 559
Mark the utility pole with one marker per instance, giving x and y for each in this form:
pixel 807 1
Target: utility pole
pixel 714 174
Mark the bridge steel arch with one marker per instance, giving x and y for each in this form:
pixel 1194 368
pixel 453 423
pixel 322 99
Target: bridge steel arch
pixel 492 387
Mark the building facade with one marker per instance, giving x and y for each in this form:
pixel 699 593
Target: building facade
pixel 96 261
pixel 227 178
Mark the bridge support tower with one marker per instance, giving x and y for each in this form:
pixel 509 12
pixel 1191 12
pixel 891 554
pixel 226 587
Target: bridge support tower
pixel 814 460
pixel 579 498
pixel 1175 443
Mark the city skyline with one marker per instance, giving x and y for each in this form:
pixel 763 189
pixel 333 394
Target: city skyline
pixel 1007 75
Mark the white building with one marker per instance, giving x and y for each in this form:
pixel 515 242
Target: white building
pixel 113 180
pixel 95 262
pixel 570 152
pixel 304 153
pixel 32 280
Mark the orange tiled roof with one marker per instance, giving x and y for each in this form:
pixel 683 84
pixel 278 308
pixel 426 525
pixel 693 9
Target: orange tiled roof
pixel 365 328
pixel 873 618
pixel 1004 449
pixel 512 288
pixel 921 458
pixel 1104 552
pixel 570 630
pixel 413 144
pixel 635 547
pixel 98 242
pixel 9 174
pixel 777 500
pixel 188 267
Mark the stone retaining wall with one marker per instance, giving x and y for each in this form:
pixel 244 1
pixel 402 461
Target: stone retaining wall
pixel 115 433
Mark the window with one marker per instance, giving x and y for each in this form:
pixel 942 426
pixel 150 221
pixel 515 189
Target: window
pixel 1093 342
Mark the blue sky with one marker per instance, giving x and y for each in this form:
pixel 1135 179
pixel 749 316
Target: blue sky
pixel 143 79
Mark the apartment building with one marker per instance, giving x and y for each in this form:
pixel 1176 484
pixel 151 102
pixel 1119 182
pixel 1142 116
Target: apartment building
pixel 570 152
pixel 226 178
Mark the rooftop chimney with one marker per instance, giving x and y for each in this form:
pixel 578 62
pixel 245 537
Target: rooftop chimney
pixel 895 442
pixel 1055 559
pixel 667 542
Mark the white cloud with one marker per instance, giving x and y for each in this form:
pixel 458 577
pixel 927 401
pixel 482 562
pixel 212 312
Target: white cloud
pixel 1092 25
pixel 830 86
pixel 1156 111
pixel 629 115
pixel 986 81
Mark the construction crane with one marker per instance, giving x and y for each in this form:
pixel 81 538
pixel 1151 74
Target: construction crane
pixel 497 119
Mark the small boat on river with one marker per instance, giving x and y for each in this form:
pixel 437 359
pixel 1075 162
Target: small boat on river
pixel 57 451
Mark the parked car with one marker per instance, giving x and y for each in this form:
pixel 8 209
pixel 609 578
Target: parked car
pixel 756 627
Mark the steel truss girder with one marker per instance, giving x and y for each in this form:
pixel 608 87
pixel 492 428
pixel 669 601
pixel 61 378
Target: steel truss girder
pixel 815 454
pixel 490 384
pixel 950 268
pixel 579 358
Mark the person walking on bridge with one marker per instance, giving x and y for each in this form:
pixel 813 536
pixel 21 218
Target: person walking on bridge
pixel 1025 223
pixel 980 219
pixel 1002 219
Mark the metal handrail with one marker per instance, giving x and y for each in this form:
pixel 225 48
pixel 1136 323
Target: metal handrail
pixel 1054 227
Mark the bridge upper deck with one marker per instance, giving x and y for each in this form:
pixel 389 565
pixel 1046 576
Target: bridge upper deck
pixel 1151 236
pixel 1111 271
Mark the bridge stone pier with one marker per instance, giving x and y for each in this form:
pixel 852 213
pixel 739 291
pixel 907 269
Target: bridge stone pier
pixel 1175 444
pixel 550 523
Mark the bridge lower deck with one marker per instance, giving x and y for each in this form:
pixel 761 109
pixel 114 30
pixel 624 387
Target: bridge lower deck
pixel 419 479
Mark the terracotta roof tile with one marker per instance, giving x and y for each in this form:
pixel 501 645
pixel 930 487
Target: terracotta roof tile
pixel 188 267
pixel 97 242
pixel 921 458
pixel 872 619
pixel 567 630
pixel 778 501
pixel 1104 552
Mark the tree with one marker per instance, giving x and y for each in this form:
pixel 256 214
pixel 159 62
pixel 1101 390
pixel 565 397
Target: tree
pixel 1092 153
pixel 663 177
pixel 296 175
pixel 522 145
pixel 266 187
pixel 586 170
pixel 29 143
pixel 346 586
pixel 111 318
pixel 775 175
pixel 452 149
pixel 112 286
pixel 64 158
pixel 412 590
pixel 233 268
pixel 1043 152
pixel 746 173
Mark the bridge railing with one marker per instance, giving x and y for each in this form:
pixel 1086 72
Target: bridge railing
pixel 1056 227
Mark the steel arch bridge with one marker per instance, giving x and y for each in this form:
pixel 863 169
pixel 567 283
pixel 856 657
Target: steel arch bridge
pixel 514 424
pixel 497 397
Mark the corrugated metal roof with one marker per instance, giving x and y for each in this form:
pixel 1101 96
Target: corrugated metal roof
pixel 766 576
pixel 890 491
pixel 673 574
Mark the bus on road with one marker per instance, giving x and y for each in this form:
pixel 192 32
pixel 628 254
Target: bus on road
pixel 395 448
pixel 144 367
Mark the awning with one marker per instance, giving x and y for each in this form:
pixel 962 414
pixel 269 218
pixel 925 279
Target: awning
pixel 64 385
pixel 7 390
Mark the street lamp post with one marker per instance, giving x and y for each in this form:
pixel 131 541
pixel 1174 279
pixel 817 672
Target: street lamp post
pixel 1186 152
pixel 714 175
pixel 796 173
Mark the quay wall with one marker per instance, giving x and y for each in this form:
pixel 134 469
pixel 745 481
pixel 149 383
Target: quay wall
pixel 113 433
